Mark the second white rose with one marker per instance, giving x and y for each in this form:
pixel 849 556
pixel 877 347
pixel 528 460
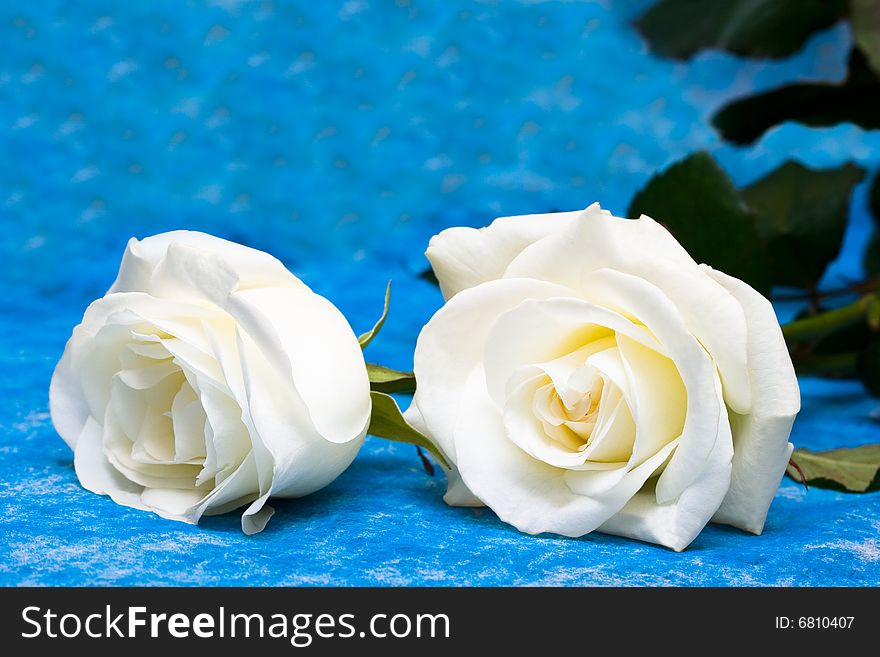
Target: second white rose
pixel 586 374
pixel 208 378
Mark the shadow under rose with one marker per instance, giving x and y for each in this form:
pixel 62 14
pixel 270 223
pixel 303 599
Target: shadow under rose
pixel 364 488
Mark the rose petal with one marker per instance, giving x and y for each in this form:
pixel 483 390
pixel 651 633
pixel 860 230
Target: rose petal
pixel 761 447
pixel 465 257
pixel 188 418
pixel 226 435
pixel 234 491
pixel 658 400
pixel 675 524
pixel 256 516
pixel 277 413
pixel 524 492
pixel 453 342
pixel 645 249
pixel 525 430
pixel 538 331
pixel 196 360
pixel 560 370
pixel 95 472
pixel 146 377
pixel 173 503
pixel 613 437
pixel 153 350
pixel 696 370
pixel 118 449
pixel 457 493
pixel 97 475
pixel 309 339
pixel 610 365
pixel 194 263
pixel 68 406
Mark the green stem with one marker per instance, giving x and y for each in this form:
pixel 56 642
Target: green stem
pixel 811 328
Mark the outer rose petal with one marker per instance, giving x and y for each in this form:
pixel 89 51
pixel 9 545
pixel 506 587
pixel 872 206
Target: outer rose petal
pixel 196 258
pixel 97 475
pixel 67 404
pixel 303 459
pixel 308 336
pixel 464 257
pixel 761 447
pixel 292 459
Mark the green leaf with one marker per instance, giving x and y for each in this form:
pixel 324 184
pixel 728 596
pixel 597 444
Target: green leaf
pixel 384 379
pixel 846 339
pixel 802 215
pixel 698 203
pixel 872 251
pixel 865 18
pixel 754 28
pixel 852 469
pixel 837 366
pixel 366 338
pixel 856 100
pixel 387 421
pixel 872 255
pixel 868 368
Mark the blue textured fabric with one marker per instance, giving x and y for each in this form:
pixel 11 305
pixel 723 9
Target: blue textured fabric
pixel 340 137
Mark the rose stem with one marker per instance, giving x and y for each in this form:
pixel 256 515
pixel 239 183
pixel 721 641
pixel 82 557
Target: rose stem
pixel 810 328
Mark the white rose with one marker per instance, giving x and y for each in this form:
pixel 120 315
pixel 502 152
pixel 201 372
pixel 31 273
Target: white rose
pixel 586 374
pixel 209 377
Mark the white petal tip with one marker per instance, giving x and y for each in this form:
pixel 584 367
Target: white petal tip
pixel 254 523
pixel 457 493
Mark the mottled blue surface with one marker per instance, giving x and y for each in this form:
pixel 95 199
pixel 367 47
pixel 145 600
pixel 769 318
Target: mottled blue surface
pixel 340 137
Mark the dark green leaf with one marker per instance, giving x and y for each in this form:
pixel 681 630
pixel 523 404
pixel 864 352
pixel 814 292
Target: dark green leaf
pixel 384 379
pixel 366 338
pixel 869 368
pixel 865 19
pixel 802 215
pixel 852 469
pixel 754 28
pixel 387 421
pixel 856 100
pixel 872 252
pixel 846 339
pixel 836 366
pixel 872 255
pixel 698 203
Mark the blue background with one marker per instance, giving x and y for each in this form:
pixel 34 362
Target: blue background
pixel 340 137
